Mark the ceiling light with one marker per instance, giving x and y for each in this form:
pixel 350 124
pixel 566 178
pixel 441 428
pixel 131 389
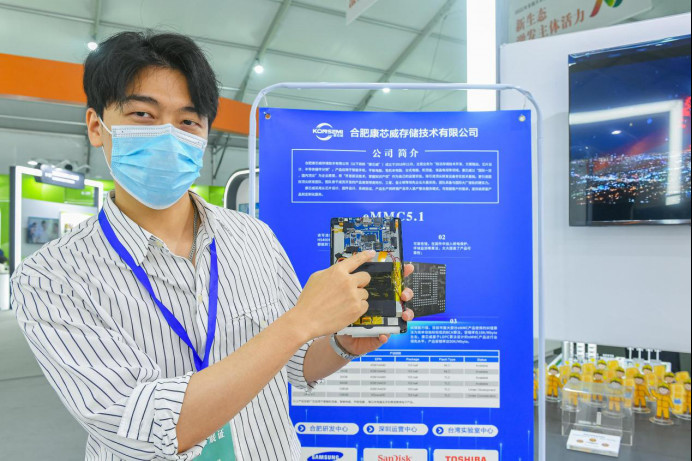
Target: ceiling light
pixel 259 68
pixel 92 45
pixel 386 90
pixel 616 132
pixel 32 162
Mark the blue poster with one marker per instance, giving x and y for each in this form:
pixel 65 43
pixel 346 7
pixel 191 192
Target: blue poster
pixel 457 385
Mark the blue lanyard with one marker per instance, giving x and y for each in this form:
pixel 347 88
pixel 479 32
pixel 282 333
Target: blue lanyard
pixel 200 363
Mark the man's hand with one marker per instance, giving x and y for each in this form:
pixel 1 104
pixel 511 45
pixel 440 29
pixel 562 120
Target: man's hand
pixel 360 346
pixel 334 297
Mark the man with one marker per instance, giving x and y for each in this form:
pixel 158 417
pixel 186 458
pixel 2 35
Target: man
pixel 641 393
pixel 572 392
pixel 663 404
pixel 553 382
pixel 615 396
pixel 163 318
pixel 687 403
pixel 597 395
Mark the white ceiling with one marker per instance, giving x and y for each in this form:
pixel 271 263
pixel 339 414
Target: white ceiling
pixel 311 43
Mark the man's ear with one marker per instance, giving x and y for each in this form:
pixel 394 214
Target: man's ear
pixel 94 129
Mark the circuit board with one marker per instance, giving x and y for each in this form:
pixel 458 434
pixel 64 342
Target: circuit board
pixel 350 236
pixel 353 235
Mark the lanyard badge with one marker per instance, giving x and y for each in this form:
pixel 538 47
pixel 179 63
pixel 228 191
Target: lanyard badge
pixel 200 362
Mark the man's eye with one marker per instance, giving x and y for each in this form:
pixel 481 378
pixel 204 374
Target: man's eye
pixel 142 114
pixel 189 122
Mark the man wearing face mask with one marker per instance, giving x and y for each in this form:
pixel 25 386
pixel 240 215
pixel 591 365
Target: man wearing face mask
pixel 163 321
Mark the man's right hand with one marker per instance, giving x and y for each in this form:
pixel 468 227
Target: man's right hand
pixel 335 297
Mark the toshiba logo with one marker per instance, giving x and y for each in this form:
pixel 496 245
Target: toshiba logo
pixel 465 455
pixel 465 458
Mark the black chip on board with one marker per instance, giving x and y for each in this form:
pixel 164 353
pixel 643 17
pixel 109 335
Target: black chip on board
pixel 428 282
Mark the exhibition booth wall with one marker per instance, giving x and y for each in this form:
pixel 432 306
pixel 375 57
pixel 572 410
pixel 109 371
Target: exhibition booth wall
pixel 19 146
pixel 39 200
pixel 618 285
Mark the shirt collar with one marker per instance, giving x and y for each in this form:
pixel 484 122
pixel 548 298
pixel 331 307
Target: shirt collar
pixel 138 241
pixel 207 213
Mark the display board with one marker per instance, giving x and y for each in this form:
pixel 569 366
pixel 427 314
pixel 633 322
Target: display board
pixel 458 383
pixel 236 191
pixel 43 221
pixel 625 286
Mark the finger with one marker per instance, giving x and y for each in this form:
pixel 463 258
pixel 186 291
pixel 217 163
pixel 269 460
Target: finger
pixel 357 260
pixel 408 315
pixel 363 293
pixel 383 339
pixel 364 306
pixel 406 295
pixel 361 278
pixel 408 269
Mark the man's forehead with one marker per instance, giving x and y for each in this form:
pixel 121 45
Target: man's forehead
pixel 159 85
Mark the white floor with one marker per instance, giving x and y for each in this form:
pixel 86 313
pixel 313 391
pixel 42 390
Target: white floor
pixel 34 425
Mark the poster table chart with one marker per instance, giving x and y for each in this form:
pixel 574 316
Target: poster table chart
pixel 421 378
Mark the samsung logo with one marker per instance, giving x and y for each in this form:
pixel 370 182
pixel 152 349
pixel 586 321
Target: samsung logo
pixel 326 456
pixel 325 132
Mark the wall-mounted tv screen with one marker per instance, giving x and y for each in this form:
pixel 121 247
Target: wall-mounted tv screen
pixel 42 230
pixel 629 130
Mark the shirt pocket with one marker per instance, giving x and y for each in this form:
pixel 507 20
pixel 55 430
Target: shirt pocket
pixel 246 323
pixel 263 316
pixel 244 307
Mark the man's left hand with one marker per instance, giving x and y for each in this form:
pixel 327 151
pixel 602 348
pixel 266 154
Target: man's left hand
pixel 360 346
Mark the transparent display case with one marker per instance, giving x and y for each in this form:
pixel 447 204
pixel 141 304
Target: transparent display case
pixel 602 408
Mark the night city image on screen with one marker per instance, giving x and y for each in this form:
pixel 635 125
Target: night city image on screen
pixel 630 134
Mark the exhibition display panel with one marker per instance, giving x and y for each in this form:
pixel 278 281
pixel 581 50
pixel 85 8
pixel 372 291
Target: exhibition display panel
pixel 451 385
pixel 36 221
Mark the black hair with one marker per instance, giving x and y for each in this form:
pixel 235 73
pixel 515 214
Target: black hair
pixel 111 68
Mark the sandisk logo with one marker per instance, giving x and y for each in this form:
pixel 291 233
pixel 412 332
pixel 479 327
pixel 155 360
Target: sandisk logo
pixel 395 454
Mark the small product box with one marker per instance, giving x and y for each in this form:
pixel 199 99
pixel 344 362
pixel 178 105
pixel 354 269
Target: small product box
pixel 591 442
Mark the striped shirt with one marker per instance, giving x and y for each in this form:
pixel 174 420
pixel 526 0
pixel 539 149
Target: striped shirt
pixel 114 361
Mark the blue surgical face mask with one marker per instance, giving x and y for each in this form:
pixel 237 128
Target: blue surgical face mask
pixel 155 164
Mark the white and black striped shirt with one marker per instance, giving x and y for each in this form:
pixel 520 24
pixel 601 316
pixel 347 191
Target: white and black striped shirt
pixel 112 358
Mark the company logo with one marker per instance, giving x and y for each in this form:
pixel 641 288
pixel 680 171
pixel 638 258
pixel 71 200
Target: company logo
pixel 465 455
pixel 326 456
pixel 599 3
pixel 395 454
pixel 465 458
pixel 325 132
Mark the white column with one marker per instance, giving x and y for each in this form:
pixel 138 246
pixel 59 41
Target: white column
pixel 481 53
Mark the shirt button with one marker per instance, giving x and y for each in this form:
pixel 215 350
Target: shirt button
pixel 263 324
pixel 200 298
